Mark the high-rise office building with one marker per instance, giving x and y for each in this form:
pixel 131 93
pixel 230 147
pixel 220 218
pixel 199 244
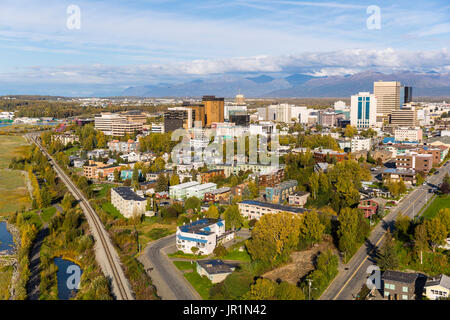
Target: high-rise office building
pixel 214 109
pixel 405 95
pixel 363 110
pixel 388 97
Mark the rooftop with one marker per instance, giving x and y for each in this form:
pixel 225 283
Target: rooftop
pixel 400 276
pixel 441 280
pixel 220 190
pixel 197 226
pixel 127 194
pixel 215 266
pixel 275 206
pixel 185 185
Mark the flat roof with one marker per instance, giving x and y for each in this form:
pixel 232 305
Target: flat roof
pixel 275 206
pixel 215 266
pixel 185 185
pixel 197 226
pixel 200 187
pixel 128 194
pixel 400 276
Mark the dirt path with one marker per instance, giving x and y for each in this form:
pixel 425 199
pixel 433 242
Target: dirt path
pixel 302 263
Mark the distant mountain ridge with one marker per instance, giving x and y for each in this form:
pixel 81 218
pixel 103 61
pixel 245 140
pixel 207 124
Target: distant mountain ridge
pixel 297 85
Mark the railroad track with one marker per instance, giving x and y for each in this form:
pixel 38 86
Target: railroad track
pixel 118 282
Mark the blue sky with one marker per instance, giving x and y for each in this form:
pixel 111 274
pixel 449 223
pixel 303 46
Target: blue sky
pixel 120 44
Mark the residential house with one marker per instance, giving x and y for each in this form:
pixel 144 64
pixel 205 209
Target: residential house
pixel 399 285
pixel 215 270
pixel 299 198
pixel 438 287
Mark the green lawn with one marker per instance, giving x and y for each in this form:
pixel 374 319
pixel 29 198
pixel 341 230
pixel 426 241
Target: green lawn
pixel 100 190
pixel 181 254
pixel 201 284
pixel 72 151
pixel 237 255
pixel 439 202
pixel 111 210
pixel 13 189
pixel 48 213
pixel 157 233
pixel 184 265
pixel 33 218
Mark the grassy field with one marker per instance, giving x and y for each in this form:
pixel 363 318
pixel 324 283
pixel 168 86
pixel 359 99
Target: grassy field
pixel 12 183
pixel 201 284
pixel 440 202
pixel 111 210
pixel 184 265
pixel 5 279
pixel 238 255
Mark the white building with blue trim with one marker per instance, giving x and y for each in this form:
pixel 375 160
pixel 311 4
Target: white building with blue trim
pixel 204 234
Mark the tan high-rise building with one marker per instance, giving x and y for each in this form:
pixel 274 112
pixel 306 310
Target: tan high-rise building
pixel 214 109
pixel 388 97
pixel 404 117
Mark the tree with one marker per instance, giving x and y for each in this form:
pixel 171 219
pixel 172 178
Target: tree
pixel 233 218
pixel 445 186
pixel 174 180
pixel 350 131
pixel 311 229
pixel 387 258
pixel 161 183
pixel 116 175
pixel 274 237
pixel 67 202
pixel 419 179
pixel 436 232
pixel 314 184
pixel 420 240
pixel 254 189
pixel 263 289
pixel 402 225
pixel 287 291
pixel 192 203
pixel 212 212
pixel 101 139
pixel 46 198
pixel 194 250
pixel 220 251
pixel 347 231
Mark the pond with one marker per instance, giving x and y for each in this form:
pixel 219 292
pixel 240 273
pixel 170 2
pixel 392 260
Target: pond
pixel 69 275
pixel 6 239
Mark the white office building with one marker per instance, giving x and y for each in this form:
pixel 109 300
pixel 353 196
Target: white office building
pixel 363 110
pixel 200 190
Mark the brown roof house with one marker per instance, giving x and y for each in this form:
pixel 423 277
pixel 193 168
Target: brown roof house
pixel 402 286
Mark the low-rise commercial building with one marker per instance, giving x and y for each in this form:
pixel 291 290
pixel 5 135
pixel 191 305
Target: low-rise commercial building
pixel 360 144
pixel 204 177
pixel 408 134
pixel 178 192
pixel 200 190
pixel 414 160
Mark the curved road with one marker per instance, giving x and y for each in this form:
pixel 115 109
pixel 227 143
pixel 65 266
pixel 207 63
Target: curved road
pixel 168 279
pixel 348 282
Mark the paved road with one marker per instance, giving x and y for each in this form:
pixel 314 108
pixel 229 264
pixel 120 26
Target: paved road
pixel 168 280
pixel 348 282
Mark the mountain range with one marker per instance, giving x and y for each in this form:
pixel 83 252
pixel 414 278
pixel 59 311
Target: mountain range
pixel 297 85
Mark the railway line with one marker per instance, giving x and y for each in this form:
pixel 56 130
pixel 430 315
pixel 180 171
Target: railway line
pixel 108 257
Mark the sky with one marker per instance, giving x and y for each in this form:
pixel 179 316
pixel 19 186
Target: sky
pixel 48 47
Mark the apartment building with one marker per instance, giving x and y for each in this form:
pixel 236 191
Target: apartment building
pixel 204 177
pixel 218 195
pixel 414 160
pixel 395 175
pixel 256 209
pixel 322 155
pixel 200 190
pixel 408 134
pixel 119 129
pixel 258 168
pixel 123 146
pixel 204 234
pixel 360 144
pixel 299 198
pixel 281 192
pixel 399 285
pixel 127 202
pixel 65 138
pixel 178 192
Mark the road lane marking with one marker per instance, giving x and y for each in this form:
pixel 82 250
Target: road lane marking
pixel 367 256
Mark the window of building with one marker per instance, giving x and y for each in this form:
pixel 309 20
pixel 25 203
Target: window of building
pixel 405 289
pixel 404 297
